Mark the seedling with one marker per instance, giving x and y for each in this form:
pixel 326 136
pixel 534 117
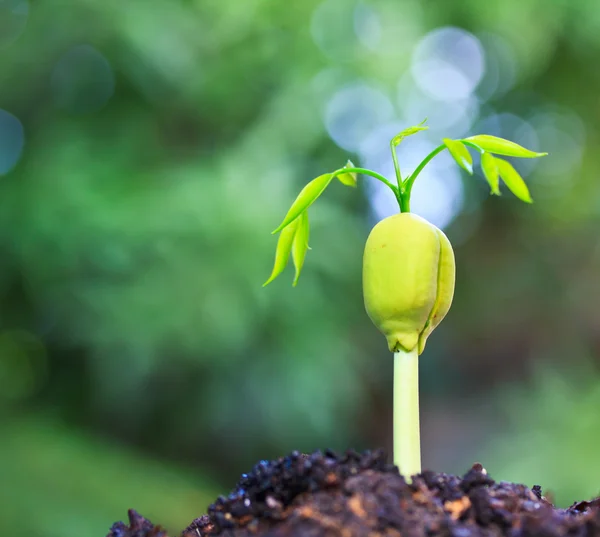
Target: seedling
pixel 408 266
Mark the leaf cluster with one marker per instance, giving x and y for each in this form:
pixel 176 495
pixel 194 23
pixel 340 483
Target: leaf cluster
pixel 295 229
pixel 493 167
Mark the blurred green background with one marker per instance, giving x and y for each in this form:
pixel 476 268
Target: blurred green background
pixel 148 148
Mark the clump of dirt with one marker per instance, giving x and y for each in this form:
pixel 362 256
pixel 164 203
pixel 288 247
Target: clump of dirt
pixel 361 495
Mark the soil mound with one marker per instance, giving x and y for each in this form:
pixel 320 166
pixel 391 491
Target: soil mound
pixel 360 495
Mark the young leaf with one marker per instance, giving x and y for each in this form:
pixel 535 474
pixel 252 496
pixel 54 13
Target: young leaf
pixel 348 179
pixel 300 245
pixel 490 170
pixel 513 180
pixel 460 154
pixel 409 131
pixel 305 199
pixel 500 146
pixel 284 247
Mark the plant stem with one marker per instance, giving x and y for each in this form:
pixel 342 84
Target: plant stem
pixel 407 441
pixel 404 202
pixel 405 188
pixel 396 164
pixel 474 146
pixel 409 182
pixel 364 171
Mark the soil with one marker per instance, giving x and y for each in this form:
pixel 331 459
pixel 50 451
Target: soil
pixel 361 495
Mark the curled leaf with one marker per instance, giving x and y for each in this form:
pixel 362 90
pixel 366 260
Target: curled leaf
pixel 460 154
pixel 300 245
pixel 408 132
pixel 500 146
pixel 490 170
pixel 282 252
pixel 305 199
pixel 513 180
pixel 348 179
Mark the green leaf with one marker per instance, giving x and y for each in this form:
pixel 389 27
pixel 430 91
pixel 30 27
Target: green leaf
pixel 282 252
pixel 305 199
pixel 513 180
pixel 300 245
pixel 348 179
pixel 460 154
pixel 408 132
pixel 500 146
pixel 490 170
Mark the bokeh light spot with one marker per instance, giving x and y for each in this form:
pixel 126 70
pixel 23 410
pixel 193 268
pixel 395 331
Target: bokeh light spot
pixel 12 139
pixel 82 80
pixel 367 26
pixel 333 29
pixel 446 119
pixel 354 111
pixel 500 67
pixel 448 64
pixel 438 196
pixel 13 18
pixel 562 134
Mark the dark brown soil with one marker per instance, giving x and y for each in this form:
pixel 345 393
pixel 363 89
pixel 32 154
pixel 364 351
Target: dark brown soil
pixel 360 495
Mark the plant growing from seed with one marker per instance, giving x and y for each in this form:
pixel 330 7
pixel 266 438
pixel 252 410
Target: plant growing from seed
pixel 408 265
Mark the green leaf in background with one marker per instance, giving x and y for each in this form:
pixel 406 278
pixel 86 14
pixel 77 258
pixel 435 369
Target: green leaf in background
pixel 408 132
pixel 348 179
pixel 490 170
pixel 513 180
pixel 500 146
pixel 80 483
pixel 306 198
pixel 300 245
pixel 541 412
pixel 460 154
pixel 284 247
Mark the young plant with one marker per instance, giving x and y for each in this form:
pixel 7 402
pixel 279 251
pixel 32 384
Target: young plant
pixel 408 266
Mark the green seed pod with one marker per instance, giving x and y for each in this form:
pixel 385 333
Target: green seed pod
pixel 408 279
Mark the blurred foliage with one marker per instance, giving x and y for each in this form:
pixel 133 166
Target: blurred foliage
pixel 148 149
pixel 74 483
pixel 553 435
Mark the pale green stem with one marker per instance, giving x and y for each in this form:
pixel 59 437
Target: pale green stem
pixel 474 146
pixel 407 440
pixel 407 186
pixel 364 171
pixel 396 164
